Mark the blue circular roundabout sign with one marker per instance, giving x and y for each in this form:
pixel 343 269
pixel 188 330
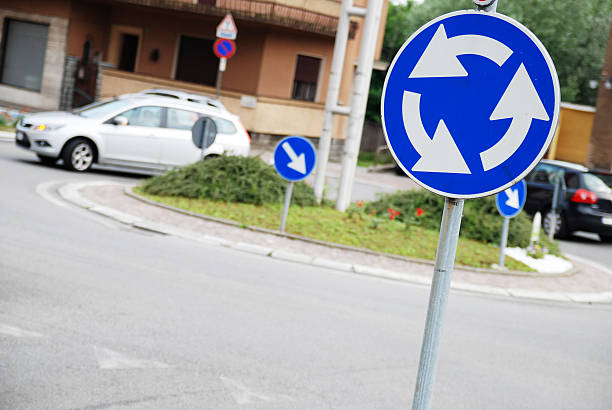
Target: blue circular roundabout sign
pixel 470 104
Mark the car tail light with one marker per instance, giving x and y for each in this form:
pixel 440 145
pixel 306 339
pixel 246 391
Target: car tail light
pixel 584 196
pixel 245 131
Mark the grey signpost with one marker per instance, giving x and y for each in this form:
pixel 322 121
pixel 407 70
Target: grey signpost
pixel 504 241
pixel 559 188
pixel 203 133
pixel 438 298
pixel 294 160
pixel 509 203
pixel 440 288
pixel 286 205
pixel 448 161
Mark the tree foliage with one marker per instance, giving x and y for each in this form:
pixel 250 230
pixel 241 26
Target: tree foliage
pixel 574 33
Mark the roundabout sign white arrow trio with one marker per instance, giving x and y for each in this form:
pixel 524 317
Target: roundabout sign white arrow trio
pixel 487 91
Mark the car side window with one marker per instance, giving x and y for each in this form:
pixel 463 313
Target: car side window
pixel 148 116
pixel 224 126
pixel 544 174
pixel 572 180
pixel 181 119
pixel 184 120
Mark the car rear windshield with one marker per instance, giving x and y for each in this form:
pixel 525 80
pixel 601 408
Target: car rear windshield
pixel 607 178
pixel 102 109
pixel 593 182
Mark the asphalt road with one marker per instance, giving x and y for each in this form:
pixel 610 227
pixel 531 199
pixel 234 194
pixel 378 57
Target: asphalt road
pixel 94 315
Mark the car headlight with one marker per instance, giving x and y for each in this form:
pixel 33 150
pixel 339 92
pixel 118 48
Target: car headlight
pixel 50 127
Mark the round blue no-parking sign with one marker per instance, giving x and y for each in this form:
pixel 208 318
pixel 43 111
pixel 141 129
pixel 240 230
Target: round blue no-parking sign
pixel 470 104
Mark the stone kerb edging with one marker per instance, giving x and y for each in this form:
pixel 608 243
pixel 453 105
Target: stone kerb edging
pixel 128 191
pixel 70 193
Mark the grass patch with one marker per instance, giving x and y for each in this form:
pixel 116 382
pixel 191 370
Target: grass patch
pixel 6 125
pixel 366 159
pixel 354 228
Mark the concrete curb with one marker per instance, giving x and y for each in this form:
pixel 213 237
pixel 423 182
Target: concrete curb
pixel 70 193
pixel 128 192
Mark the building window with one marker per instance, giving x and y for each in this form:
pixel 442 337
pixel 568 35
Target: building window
pixel 306 78
pixel 23 53
pixel 196 61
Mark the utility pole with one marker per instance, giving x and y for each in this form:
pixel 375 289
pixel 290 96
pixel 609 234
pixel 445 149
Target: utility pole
pixel 331 103
pixel 359 101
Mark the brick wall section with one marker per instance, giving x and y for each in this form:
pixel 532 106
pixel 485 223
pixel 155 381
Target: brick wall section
pixel 600 149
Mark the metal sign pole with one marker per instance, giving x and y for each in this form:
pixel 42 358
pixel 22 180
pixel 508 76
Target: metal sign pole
pixel 286 206
pixel 552 227
pixel 438 297
pixel 504 241
pixel 222 64
pixel 204 139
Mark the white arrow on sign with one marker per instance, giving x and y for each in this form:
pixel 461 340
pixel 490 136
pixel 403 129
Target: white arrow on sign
pixel 522 103
pixel 440 57
pixel 513 198
pixel 439 154
pixel 298 163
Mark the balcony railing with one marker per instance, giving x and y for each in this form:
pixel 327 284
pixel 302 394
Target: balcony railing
pixel 261 11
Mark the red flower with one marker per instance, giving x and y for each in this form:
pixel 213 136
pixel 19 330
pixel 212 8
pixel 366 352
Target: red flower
pixel 359 204
pixel 392 213
pixel 419 211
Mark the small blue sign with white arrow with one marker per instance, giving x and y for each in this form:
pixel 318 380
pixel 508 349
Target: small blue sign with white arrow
pixel 470 104
pixel 510 202
pixel 294 158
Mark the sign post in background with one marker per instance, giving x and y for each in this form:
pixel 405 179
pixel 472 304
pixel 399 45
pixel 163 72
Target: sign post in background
pixel 294 160
pixel 451 148
pixel 204 133
pixel 224 47
pixel 509 203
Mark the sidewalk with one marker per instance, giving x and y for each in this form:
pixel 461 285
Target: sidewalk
pixel 587 283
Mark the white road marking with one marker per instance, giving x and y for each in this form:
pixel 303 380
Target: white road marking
pixel 44 190
pixel 244 395
pixel 17 332
pixel 110 359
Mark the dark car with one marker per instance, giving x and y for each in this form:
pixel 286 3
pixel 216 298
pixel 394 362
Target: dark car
pixel 585 200
pixel 604 175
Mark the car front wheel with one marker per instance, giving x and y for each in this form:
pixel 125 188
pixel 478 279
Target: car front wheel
pixel 605 238
pixel 78 155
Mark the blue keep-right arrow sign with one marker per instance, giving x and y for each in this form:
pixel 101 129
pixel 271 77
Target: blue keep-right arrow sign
pixel 510 202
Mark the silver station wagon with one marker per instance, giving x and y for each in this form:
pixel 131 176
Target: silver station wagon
pixel 138 130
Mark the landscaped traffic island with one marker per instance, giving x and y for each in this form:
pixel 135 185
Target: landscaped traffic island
pixel 249 192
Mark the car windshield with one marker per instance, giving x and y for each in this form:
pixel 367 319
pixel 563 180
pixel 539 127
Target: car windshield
pixel 101 109
pixel 595 183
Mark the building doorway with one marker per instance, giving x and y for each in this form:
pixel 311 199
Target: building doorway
pixel 128 52
pixel 124 47
pixel 196 61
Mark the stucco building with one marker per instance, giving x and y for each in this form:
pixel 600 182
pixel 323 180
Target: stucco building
pixel 276 81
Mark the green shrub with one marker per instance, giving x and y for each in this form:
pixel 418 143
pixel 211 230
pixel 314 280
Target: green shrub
pixel 229 179
pixel 480 222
